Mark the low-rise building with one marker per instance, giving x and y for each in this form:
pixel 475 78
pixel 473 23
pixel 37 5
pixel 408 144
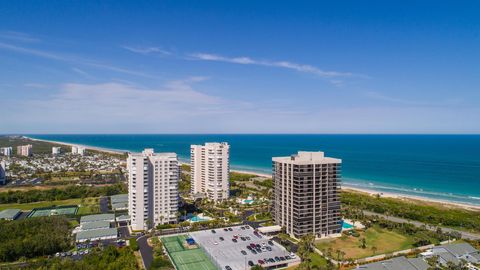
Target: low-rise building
pixel 397 264
pixel 95 218
pixel 454 253
pixel 10 214
pixel 6 151
pixel 96 225
pixel 95 235
pixel 119 202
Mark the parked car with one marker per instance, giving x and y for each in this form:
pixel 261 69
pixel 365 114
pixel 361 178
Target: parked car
pixel 213 231
pixel 244 252
pixel 250 263
pixel 221 238
pixel 228 267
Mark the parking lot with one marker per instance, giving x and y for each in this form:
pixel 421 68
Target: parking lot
pixel 241 248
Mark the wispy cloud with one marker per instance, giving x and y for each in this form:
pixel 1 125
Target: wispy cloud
pixel 18 36
pixel 401 101
pixel 279 64
pixel 70 59
pixel 148 50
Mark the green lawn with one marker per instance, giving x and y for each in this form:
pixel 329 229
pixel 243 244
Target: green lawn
pixel 317 260
pixel 383 240
pixel 89 205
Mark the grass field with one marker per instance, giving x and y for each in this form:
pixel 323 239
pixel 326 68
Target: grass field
pixel 186 259
pixel 383 240
pixel 88 206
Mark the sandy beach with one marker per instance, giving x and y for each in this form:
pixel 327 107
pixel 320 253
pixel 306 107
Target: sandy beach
pixel 411 198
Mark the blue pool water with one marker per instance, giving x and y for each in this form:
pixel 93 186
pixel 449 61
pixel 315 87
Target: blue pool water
pixel 196 219
pixel 445 167
pixel 346 225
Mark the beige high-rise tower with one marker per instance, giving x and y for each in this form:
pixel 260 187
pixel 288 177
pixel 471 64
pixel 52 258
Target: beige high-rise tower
pixel 210 170
pixel 152 188
pixel 306 194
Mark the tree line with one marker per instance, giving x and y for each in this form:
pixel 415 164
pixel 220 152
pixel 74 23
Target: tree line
pixel 435 215
pixel 55 194
pixel 33 237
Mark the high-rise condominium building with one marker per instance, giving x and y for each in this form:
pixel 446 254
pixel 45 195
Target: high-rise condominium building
pixel 56 150
pixel 210 170
pixel 6 151
pixel 24 150
pixel 306 194
pixel 3 173
pixel 78 150
pixel 153 196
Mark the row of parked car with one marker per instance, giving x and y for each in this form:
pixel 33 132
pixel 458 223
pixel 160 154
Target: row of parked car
pixel 273 260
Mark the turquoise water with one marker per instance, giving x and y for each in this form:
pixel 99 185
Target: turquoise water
pixel 346 225
pixel 445 167
pixel 248 201
pixel 196 219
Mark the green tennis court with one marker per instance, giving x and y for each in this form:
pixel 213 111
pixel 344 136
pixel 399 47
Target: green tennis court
pixel 186 259
pixel 54 211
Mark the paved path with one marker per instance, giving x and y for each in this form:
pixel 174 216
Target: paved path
pixel 104 205
pixel 146 251
pixel 465 235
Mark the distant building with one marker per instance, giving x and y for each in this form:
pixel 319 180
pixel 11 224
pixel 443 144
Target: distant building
pixel 306 194
pixel 210 170
pixel 6 151
pixel 78 150
pixel 454 253
pixel 96 218
pixel 25 150
pixel 153 196
pixel 56 150
pixel 396 264
pixel 3 173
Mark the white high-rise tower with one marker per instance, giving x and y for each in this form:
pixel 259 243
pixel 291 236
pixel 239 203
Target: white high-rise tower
pixel 152 188
pixel 210 170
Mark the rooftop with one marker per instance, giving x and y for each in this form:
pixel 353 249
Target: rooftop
pixel 99 217
pixel 96 225
pixel 398 263
pixel 305 157
pixel 119 198
pixel 9 214
pixel 93 234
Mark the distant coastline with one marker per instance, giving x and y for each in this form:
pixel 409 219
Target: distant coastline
pixel 345 186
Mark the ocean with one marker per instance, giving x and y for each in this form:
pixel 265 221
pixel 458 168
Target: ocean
pixel 442 167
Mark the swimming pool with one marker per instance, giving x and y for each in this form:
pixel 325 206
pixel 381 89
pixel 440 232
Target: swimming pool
pixel 346 226
pixel 197 218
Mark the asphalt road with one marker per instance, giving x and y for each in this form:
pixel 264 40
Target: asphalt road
pixel 465 235
pixel 146 251
pixel 104 204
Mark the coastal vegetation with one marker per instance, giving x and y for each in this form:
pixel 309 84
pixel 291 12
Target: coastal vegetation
pixel 428 213
pixel 56 194
pixel 110 258
pixel 32 237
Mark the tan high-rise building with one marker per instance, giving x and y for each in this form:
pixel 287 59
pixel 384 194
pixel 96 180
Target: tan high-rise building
pixel 56 150
pixel 210 170
pixel 24 150
pixel 306 194
pixel 153 196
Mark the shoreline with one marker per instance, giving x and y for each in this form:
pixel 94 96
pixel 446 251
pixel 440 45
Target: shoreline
pixel 372 192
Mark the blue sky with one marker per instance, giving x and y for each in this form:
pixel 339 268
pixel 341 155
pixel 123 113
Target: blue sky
pixel 240 67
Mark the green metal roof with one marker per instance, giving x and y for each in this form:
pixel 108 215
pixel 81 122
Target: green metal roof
pixel 99 217
pixel 9 214
pixel 119 205
pixel 92 234
pixel 119 198
pixel 96 225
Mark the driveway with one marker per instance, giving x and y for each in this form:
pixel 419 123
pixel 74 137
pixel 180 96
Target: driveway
pixel 104 205
pixel 146 251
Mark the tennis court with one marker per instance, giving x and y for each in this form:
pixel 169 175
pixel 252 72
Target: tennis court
pixel 185 258
pixel 54 211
